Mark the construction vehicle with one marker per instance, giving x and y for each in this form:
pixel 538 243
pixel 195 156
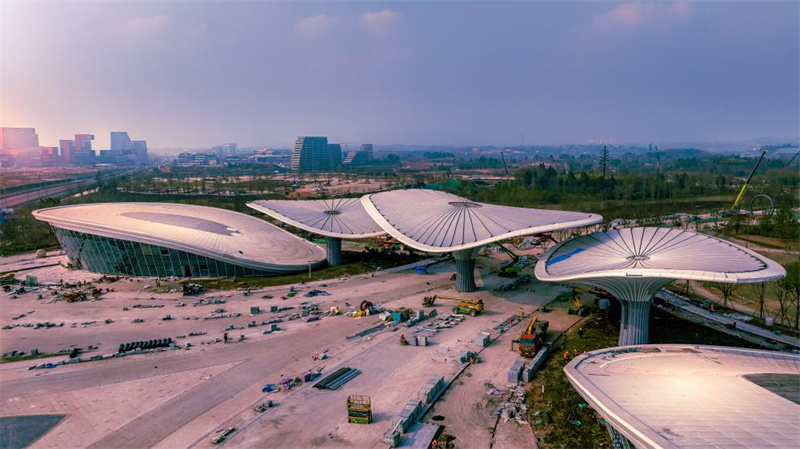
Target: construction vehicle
pixel 264 406
pixel 746 185
pixel 359 409
pixel 403 341
pixel 532 339
pixel 223 434
pixel 471 306
pixel 509 269
pixel 427 301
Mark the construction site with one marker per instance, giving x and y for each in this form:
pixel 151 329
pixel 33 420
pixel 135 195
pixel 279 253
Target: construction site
pixel 437 353
pixel 139 362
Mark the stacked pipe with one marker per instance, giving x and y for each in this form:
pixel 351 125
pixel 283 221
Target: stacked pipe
pixel 149 344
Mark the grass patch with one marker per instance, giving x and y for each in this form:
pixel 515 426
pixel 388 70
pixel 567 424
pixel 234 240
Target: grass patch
pixel 561 402
pixel 353 264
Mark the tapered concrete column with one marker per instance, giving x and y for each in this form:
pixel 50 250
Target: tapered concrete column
pixel 465 269
pixel 334 246
pixel 634 323
pixel 635 295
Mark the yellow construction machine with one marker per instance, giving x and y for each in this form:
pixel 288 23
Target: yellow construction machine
pixel 471 306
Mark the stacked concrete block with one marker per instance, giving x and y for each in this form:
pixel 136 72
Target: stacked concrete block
pixel 540 358
pixel 515 372
pixel 483 339
pixel 392 438
pixel 422 340
pixel 432 313
pixel 431 390
pixel 420 315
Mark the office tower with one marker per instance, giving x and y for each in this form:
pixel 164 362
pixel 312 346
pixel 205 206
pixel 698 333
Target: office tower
pixel 67 148
pixel 83 154
pixel 361 157
pixel 225 150
pixel 18 138
pixel 311 154
pixel 120 140
pixel 335 155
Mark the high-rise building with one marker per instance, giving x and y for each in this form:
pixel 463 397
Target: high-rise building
pixel 124 151
pixel 225 150
pixel 20 147
pixel 315 154
pixel 361 157
pixel 335 155
pixel 310 154
pixel 18 138
pixel 67 148
pixel 120 140
pixel 83 154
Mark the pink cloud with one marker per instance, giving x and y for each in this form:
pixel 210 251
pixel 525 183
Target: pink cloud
pixel 146 25
pixel 634 15
pixel 316 25
pixel 379 22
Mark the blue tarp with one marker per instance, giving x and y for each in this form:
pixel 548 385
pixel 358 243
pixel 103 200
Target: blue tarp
pixel 564 257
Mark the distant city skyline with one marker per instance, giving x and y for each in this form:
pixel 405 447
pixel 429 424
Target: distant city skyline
pixel 195 75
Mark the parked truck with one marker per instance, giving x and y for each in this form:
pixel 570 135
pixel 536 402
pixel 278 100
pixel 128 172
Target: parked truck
pixel 532 339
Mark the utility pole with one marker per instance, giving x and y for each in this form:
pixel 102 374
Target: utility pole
pixel 604 163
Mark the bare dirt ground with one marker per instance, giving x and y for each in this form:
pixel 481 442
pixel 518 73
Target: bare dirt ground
pixel 179 398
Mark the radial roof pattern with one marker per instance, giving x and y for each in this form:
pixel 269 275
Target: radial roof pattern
pixel 655 253
pixel 438 222
pixel 344 218
pixel 681 396
pixel 217 233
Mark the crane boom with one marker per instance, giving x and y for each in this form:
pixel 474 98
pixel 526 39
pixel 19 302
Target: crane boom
pixel 747 183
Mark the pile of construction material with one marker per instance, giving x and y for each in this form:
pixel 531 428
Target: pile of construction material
pixel 205 302
pixel 516 283
pixel 39 325
pixel 537 362
pixel 507 323
pixel 338 378
pixel 149 344
pixel 515 371
pixel 414 409
pixel 483 339
pixel 514 407
pixel 359 409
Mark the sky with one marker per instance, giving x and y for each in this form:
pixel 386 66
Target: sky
pixel 196 74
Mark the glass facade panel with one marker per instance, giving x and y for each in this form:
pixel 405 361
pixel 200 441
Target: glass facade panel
pixel 114 256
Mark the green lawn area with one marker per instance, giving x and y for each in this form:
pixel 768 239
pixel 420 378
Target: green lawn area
pixel 353 264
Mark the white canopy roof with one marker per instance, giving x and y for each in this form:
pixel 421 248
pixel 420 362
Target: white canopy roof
pixel 343 218
pixel 217 233
pixel 682 396
pixel 654 253
pixel 440 222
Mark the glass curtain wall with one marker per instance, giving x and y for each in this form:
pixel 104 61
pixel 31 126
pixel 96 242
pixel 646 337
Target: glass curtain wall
pixel 113 256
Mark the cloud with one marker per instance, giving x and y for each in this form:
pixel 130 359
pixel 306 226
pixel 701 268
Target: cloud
pixel 634 15
pixel 379 22
pixel 146 25
pixel 196 30
pixel 315 25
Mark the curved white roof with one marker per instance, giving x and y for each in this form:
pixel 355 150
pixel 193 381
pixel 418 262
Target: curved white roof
pixel 682 396
pixel 343 218
pixel 217 233
pixel 655 253
pixel 439 222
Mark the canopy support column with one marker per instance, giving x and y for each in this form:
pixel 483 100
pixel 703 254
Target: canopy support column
pixel 634 326
pixel 334 247
pixel 465 269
